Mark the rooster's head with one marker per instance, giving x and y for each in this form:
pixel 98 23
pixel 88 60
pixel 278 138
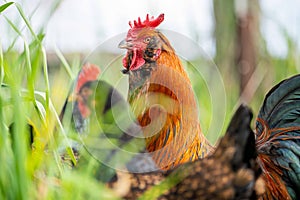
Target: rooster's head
pixel 143 42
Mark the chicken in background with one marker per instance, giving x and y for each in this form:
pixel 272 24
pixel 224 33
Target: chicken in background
pixel 105 125
pixel 157 79
pixel 76 103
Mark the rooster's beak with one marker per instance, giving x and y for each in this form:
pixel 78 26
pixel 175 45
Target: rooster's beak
pixel 125 45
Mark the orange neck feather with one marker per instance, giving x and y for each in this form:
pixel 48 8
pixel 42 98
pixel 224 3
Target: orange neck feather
pixel 178 138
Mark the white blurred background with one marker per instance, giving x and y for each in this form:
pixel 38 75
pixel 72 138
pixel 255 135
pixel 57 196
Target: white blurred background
pixel 76 26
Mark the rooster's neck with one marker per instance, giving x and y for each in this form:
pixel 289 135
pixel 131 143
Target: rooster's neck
pixel 169 59
pixel 172 129
pixel 138 79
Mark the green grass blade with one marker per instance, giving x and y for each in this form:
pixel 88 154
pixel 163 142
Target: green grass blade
pixel 69 147
pixel 30 75
pixel 19 144
pixel 13 26
pixel 65 63
pixel 1 65
pixel 26 21
pixel 5 6
pixel 41 97
pixel 158 190
pixel 45 67
pixel 28 61
pixel 23 27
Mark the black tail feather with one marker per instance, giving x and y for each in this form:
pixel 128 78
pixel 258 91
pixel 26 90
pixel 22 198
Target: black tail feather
pixel 278 138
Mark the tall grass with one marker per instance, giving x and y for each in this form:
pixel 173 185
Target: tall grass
pixel 36 172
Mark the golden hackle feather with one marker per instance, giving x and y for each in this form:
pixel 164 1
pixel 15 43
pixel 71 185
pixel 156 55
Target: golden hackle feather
pixel 180 138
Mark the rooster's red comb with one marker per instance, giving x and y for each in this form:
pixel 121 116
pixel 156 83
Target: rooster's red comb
pixel 89 72
pixel 148 23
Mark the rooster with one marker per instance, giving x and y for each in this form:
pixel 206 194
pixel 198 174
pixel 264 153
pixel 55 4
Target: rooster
pixel 157 79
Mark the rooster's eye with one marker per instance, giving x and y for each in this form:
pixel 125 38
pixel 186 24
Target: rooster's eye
pixel 147 40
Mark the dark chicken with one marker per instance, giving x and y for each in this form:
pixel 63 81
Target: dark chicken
pixel 231 172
